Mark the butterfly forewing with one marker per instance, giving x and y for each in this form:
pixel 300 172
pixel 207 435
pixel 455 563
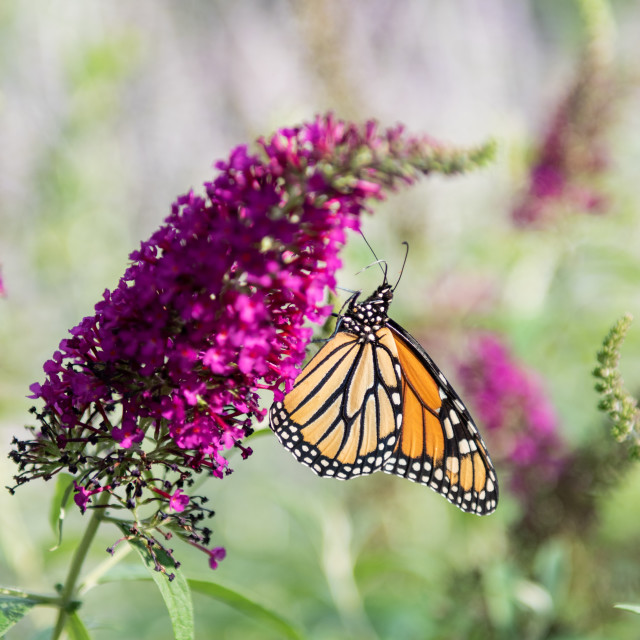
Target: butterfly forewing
pixel 343 415
pixel 439 444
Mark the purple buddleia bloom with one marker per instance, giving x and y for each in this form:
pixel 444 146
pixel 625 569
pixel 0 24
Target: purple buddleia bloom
pixel 509 401
pixel 163 380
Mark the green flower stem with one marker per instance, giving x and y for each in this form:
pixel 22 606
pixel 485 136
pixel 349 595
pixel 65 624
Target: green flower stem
pixel 53 601
pixel 69 589
pixel 600 28
pixel 92 579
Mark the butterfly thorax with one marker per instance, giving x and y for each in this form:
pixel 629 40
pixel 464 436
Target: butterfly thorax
pixel 365 318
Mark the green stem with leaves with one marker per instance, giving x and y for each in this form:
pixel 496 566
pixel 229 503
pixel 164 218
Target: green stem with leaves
pixel 67 604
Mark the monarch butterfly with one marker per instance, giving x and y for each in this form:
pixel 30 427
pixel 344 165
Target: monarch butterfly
pixel 372 399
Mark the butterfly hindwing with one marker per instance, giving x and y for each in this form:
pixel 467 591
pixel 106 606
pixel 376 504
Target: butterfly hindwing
pixel 439 444
pixel 343 415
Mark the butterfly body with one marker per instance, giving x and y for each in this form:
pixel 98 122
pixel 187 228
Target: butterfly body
pixel 373 400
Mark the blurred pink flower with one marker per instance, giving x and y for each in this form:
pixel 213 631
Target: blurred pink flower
pixel 573 152
pixel 510 401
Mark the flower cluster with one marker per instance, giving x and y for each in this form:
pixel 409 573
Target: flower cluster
pixel 165 376
pixel 615 400
pixel 509 401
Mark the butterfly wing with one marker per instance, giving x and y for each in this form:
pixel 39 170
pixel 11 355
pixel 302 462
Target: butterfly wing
pixel 343 416
pixel 439 444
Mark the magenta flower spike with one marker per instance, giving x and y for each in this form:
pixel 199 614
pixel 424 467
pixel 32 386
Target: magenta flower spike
pixel 163 380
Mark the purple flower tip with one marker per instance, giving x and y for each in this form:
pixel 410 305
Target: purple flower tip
pixel 178 501
pixel 216 554
pixel 83 495
pixel 126 437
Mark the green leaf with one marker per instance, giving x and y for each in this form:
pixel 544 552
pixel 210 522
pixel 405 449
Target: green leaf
pixel 246 606
pixel 552 569
pixel 176 594
pixel 76 628
pixel 635 608
pixel 64 488
pixel 12 610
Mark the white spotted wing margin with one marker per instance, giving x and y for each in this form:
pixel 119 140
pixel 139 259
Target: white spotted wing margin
pixel 439 444
pixel 344 414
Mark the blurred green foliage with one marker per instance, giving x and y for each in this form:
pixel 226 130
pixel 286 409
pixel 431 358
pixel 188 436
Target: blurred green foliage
pixel 108 112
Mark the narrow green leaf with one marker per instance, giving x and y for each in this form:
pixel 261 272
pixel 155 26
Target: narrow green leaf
pixel 246 606
pixel 635 608
pixel 76 628
pixel 64 488
pixel 12 610
pixel 176 594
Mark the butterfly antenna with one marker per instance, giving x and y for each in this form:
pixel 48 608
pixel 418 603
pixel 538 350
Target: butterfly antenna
pixel 351 291
pixel 404 262
pixel 378 261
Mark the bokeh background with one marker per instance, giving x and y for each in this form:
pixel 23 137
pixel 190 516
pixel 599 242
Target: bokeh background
pixel 109 111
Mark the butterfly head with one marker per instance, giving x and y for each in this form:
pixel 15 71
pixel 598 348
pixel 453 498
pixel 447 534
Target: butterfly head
pixel 383 293
pixel 366 317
